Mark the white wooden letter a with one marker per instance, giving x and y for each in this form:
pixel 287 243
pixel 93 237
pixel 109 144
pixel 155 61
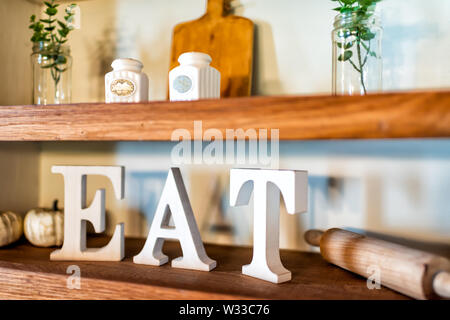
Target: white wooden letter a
pixel 266 185
pixel 174 199
pixel 76 213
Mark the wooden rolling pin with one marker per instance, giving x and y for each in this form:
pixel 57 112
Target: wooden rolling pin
pixel 415 273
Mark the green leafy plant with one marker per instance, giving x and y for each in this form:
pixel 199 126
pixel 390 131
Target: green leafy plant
pixel 53 33
pixel 356 34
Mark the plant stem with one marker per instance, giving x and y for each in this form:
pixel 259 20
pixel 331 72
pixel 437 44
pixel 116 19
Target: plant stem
pixel 55 47
pixel 354 65
pixel 361 71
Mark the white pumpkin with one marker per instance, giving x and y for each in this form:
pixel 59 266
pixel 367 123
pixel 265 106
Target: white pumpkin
pixel 44 227
pixel 10 228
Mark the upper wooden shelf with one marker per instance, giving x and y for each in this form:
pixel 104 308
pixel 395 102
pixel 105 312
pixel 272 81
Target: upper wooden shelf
pixel 26 272
pixel 392 115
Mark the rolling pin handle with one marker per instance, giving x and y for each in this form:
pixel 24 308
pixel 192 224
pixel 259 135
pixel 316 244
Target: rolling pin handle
pixel 313 236
pixel 441 284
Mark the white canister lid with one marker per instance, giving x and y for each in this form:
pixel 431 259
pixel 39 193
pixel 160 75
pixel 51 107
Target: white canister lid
pixel 127 64
pixel 198 58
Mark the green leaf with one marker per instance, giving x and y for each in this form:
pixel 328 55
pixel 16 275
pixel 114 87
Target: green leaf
pixel 62 24
pixel 365 3
pixel 33 18
pixel 345 56
pixel 346 9
pixel 51 11
pixel 50 28
pixel 63 32
pixel 367 36
pixel 38 27
pixel 47 20
pixel 344 45
pixel 61 60
pixel 48 4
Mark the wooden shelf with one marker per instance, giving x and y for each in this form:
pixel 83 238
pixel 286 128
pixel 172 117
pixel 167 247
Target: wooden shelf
pixel 393 115
pixel 27 273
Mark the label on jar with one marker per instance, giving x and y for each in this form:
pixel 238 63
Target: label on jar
pixel 182 84
pixel 123 87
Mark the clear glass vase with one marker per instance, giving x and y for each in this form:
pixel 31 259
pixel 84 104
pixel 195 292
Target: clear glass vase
pixel 52 73
pixel 357 60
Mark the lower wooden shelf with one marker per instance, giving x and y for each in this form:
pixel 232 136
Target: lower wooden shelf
pixel 26 272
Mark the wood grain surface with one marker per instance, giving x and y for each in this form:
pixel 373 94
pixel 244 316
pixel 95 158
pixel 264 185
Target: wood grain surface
pixel 393 115
pixel 26 272
pixel 227 38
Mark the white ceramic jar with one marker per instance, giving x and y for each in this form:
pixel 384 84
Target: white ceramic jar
pixel 127 82
pixel 194 78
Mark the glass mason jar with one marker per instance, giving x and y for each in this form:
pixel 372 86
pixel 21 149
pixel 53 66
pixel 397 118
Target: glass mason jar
pixel 357 61
pixel 52 73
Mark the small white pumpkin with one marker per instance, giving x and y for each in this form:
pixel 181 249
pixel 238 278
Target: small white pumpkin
pixel 10 228
pixel 44 227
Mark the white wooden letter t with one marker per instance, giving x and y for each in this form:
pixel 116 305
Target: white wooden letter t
pixel 76 213
pixel 266 185
pixel 174 199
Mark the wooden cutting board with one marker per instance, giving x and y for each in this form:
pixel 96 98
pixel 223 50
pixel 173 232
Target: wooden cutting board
pixel 227 38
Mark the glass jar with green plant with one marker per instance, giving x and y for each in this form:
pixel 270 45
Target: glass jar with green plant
pixel 357 62
pixel 51 60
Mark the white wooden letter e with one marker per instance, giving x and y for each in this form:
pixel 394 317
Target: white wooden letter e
pixel 174 199
pixel 76 213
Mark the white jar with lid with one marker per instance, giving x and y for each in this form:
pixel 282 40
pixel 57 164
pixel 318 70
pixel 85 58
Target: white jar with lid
pixel 127 82
pixel 194 78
